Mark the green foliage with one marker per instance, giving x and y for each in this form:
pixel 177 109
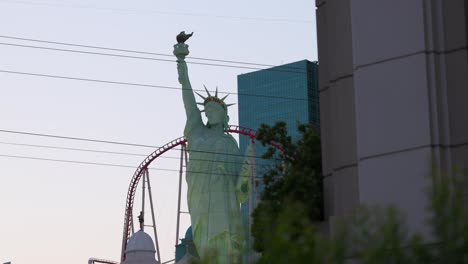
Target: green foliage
pixel 295 182
pixel 297 177
pixel 378 235
pixel 285 221
pixel 448 219
pixel 293 233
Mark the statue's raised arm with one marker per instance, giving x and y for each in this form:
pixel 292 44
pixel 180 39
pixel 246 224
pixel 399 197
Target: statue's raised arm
pixel 192 112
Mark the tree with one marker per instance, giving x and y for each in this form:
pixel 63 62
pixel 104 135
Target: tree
pixel 295 183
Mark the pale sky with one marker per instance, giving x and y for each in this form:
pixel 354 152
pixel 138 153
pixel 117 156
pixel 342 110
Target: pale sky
pixel 58 212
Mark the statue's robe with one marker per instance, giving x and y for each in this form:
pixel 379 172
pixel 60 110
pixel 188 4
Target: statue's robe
pixel 213 199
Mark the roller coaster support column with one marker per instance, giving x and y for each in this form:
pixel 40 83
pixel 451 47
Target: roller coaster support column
pixel 142 226
pixel 153 217
pixel 182 150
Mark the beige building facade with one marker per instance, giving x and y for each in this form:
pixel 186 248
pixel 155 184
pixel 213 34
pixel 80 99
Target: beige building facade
pixel 393 78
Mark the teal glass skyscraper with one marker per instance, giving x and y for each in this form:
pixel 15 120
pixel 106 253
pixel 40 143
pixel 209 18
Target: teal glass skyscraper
pixel 286 93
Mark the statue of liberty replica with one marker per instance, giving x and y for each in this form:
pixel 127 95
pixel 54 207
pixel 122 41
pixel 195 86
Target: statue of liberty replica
pixel 217 182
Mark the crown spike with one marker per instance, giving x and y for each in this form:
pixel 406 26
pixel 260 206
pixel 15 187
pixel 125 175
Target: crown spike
pixel 228 105
pixel 203 97
pixel 207 91
pixel 216 93
pixel 222 99
pixel 200 103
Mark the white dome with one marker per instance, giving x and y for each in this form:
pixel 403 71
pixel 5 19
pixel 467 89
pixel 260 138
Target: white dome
pixel 140 241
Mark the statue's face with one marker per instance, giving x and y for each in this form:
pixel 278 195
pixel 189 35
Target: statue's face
pixel 215 113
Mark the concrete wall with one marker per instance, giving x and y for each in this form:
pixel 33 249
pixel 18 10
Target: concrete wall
pixel 393 81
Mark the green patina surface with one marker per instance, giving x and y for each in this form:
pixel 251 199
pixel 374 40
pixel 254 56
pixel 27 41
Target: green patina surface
pixel 217 174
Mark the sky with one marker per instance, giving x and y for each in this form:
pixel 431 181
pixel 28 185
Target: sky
pixel 66 212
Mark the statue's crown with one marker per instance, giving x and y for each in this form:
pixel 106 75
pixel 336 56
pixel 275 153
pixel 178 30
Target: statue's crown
pixel 215 98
